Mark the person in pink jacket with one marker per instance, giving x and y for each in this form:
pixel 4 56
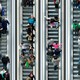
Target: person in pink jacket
pixel 56 45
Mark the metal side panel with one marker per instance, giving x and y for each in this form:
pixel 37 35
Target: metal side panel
pixel 53 33
pixel 76 50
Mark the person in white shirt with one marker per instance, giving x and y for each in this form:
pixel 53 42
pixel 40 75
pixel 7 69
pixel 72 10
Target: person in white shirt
pixel 23 47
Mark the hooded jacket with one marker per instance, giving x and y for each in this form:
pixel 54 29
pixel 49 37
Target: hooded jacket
pixel 2 11
pixel 5 60
pixel 4 23
pixel 31 21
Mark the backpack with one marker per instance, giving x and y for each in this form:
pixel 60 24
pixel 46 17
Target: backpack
pixel 27 64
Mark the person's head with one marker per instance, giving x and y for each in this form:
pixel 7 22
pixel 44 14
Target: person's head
pixel 31 74
pixel 56 17
pixel 56 42
pixel 22 43
pixel 31 16
pixel 23 54
pixel 75 22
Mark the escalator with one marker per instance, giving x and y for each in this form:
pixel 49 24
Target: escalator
pixel 76 50
pixel 53 33
pixel 26 12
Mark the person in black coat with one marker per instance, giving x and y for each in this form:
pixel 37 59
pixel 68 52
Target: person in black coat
pixel 57 53
pixel 4 25
pixel 5 61
pixel 30 29
pixel 30 2
pixel 24 2
pixel 50 52
pixel 7 75
pixel 31 76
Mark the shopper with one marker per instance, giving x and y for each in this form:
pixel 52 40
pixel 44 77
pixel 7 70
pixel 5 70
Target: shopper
pixel 31 48
pixel 24 3
pixel 30 3
pixel 76 27
pixel 50 52
pixel 23 59
pixel 2 74
pixel 7 75
pixel 23 48
pixel 3 12
pixel 31 76
pixel 29 29
pixel 31 20
pixel 5 61
pixel 54 22
pixel 56 45
pixel 57 53
pixel 4 25
pixel 56 2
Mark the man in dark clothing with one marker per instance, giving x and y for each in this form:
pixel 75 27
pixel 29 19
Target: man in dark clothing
pixel 50 52
pixel 7 75
pixel 57 53
pixel 31 76
pixel 30 3
pixel 24 2
pixel 4 25
pixel 5 61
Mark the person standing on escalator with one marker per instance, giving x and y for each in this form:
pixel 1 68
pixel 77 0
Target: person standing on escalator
pixel 30 2
pixel 4 25
pixel 75 27
pixel 30 76
pixel 56 2
pixel 78 3
pixel 31 20
pixel 24 3
pixel 5 61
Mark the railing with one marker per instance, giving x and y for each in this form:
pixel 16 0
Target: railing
pixel 13 40
pixel 68 39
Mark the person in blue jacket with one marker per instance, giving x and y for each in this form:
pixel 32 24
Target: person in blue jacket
pixel 31 20
pixel 4 25
pixel 2 11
